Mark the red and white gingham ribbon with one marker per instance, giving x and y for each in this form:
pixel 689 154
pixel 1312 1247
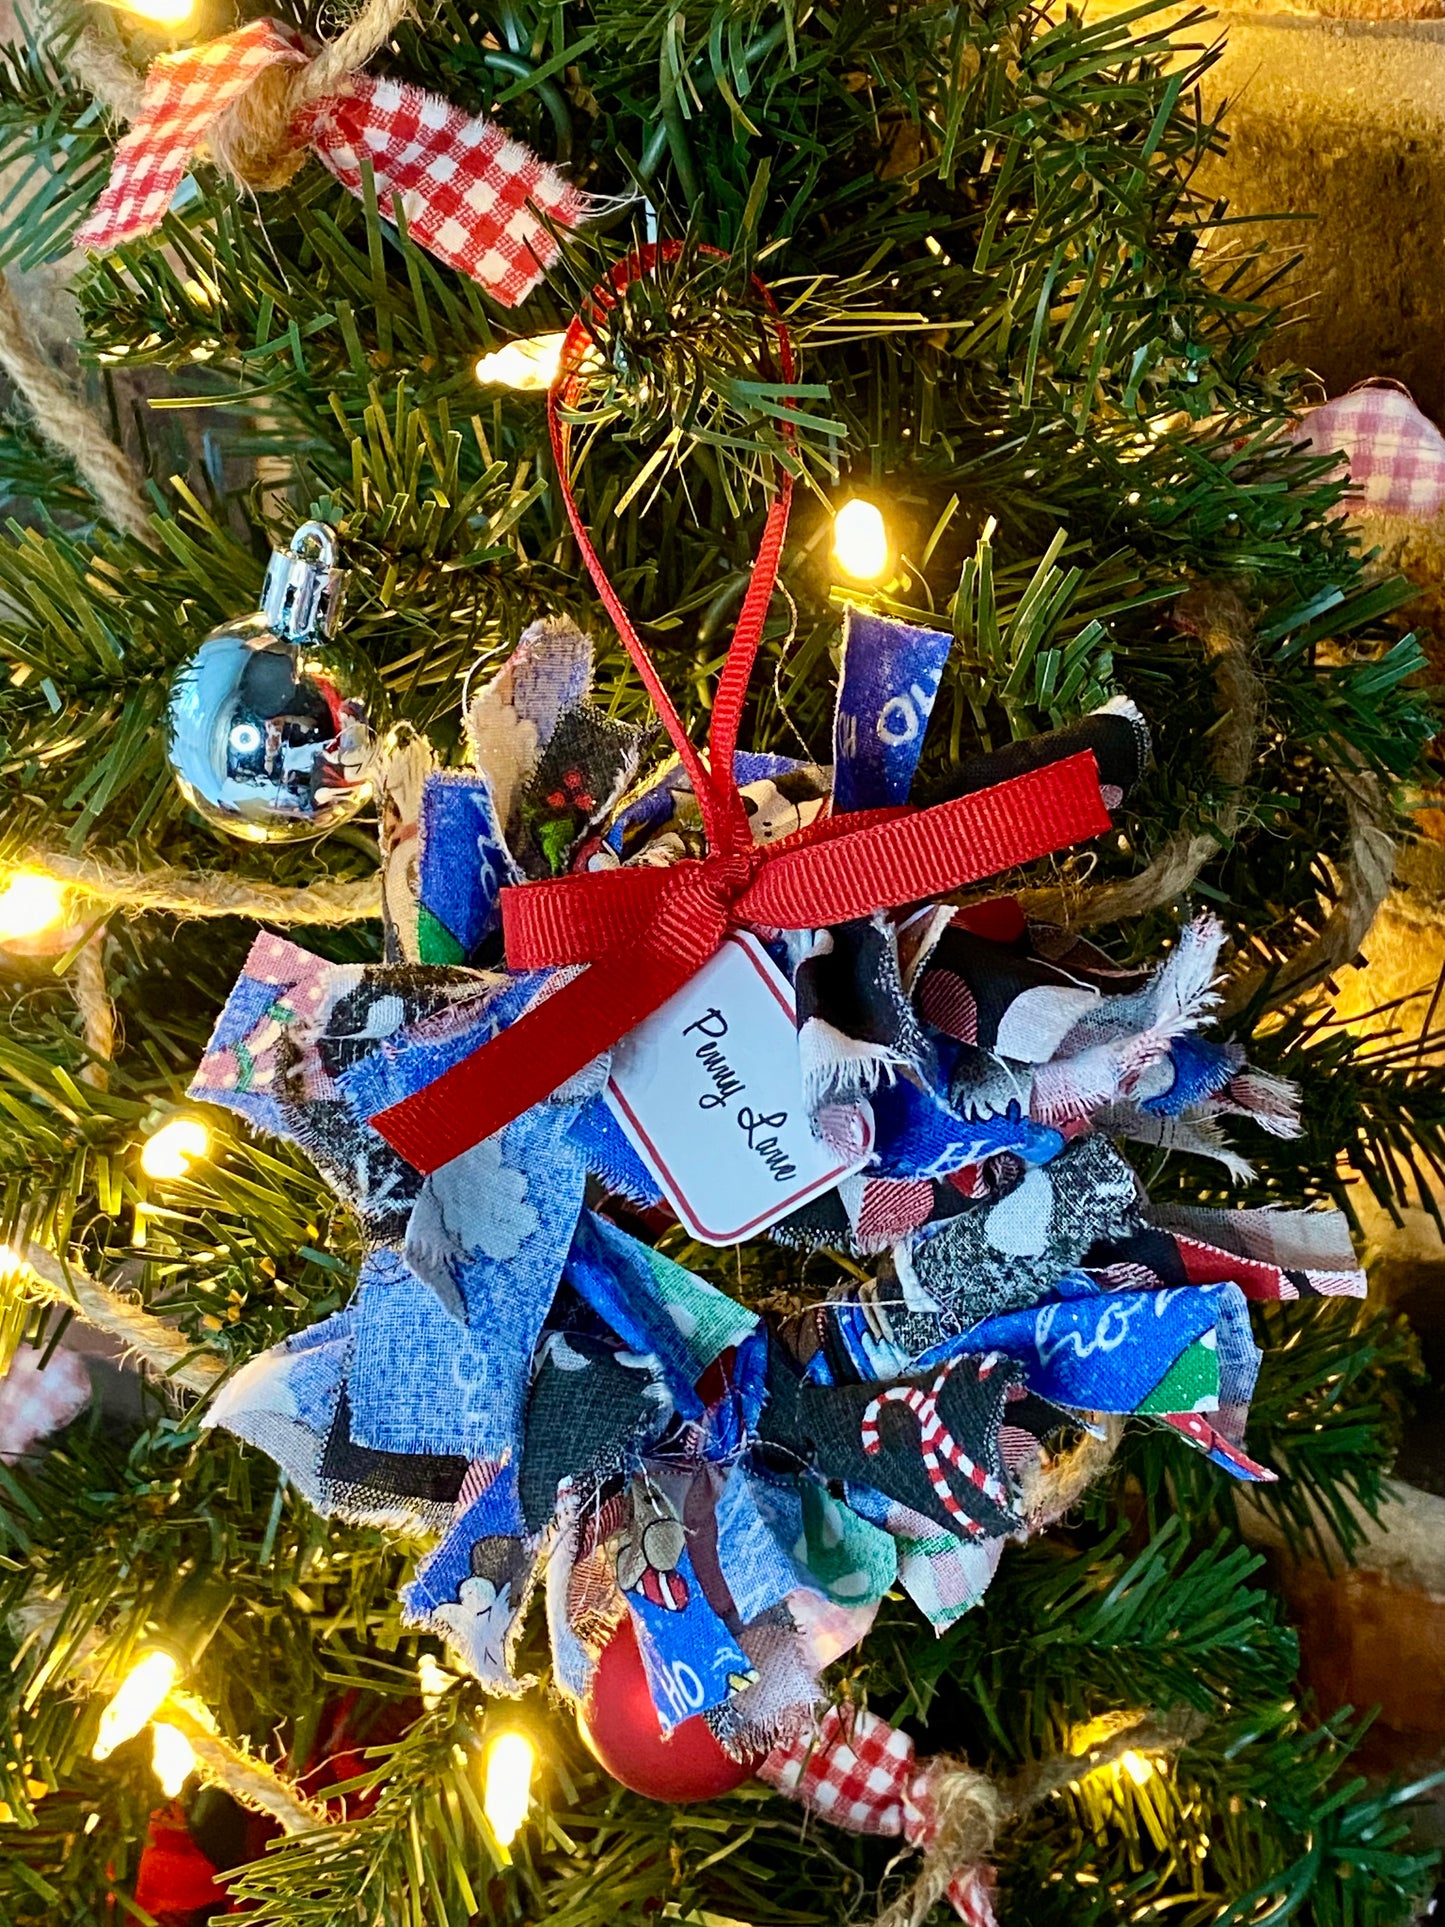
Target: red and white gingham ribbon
pixel 857 1771
pixel 471 195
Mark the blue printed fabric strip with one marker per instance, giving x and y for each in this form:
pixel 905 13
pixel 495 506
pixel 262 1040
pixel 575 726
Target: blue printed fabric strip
pixel 692 1660
pixel 465 863
pixel 473 1589
pixel 610 1155
pixel 655 1306
pixel 494 1513
pixel 1104 1351
pixel 422 1382
pixel 490 1231
pixel 887 686
pixel 758 1573
pixel 920 1135
pixel 417 1054
pixel 285 1401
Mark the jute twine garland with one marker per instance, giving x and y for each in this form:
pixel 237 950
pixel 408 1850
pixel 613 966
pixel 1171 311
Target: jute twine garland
pixel 223 1762
pixel 181 893
pixel 167 1351
pixel 1049 1490
pixel 68 422
pixel 972 1809
pixel 255 140
pixel 92 51
pixel 1222 624
pixel 91 992
pixel 1363 869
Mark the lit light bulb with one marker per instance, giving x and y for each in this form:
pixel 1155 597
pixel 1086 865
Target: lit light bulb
pixel 508 1791
pixel 860 540
pixel 163 13
pixel 136 1699
pixel 434 1682
pixel 530 365
pixel 1109 1779
pixel 167 1153
pixel 29 903
pixel 173 1758
pixel 1138 1766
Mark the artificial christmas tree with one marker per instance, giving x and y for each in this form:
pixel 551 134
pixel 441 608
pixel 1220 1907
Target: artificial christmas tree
pixel 1032 446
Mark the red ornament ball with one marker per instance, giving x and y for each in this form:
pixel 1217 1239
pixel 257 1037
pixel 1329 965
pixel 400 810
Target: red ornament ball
pixel 175 1879
pixel 620 1726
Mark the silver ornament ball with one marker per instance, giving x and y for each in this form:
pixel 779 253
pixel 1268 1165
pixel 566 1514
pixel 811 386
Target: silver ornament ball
pixel 271 725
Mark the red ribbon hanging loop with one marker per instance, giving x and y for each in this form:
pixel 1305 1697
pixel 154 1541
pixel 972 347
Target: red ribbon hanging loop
pixel 643 932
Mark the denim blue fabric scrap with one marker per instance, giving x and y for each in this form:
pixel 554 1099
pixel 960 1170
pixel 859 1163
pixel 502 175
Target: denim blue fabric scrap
pixel 888 683
pixel 748 1485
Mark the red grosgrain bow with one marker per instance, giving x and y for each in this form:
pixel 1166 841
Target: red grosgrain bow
pixel 643 932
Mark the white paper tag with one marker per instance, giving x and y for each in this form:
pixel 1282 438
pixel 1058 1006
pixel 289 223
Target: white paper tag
pixel 709 1090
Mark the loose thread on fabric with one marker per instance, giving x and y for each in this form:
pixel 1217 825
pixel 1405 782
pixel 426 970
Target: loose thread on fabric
pixel 167 1351
pixel 67 421
pixel 209 894
pixel 226 1764
pixel 255 140
pixel 972 1809
pixel 92 997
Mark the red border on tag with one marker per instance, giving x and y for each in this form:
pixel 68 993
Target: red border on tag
pixel 767 970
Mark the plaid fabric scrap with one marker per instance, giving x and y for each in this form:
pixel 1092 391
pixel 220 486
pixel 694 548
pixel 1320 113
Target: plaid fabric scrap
pixel 857 1771
pixel 37 1398
pixel 481 202
pixel 1395 455
pixel 477 200
pixel 185 95
pixel 852 1768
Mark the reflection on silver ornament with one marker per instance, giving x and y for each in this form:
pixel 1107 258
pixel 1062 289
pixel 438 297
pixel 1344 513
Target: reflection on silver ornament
pixel 271 738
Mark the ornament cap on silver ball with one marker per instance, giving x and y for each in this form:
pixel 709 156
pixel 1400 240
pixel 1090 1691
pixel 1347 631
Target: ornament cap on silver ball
pixel 271 731
pixel 302 595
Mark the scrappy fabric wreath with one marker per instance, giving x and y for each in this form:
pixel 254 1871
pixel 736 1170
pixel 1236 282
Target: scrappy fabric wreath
pixel 478 200
pixel 522 1373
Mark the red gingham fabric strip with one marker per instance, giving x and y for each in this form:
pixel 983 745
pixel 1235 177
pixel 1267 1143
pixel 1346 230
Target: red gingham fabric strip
pixel 1396 456
pixel 185 95
pixel 856 1770
pixel 852 1768
pixel 472 196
